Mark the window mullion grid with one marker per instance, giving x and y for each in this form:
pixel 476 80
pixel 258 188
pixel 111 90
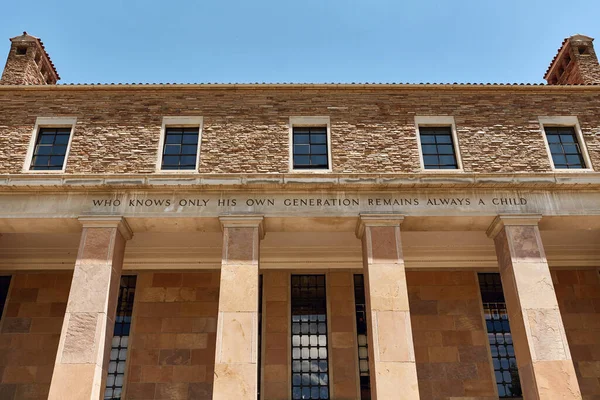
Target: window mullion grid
pixel 120 341
pixel 499 336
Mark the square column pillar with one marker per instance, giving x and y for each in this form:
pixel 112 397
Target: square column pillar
pixel 391 348
pixel 543 357
pixel 236 372
pixel 81 364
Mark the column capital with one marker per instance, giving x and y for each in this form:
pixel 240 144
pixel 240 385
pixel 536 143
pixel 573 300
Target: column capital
pixel 503 220
pixel 244 221
pixel 107 221
pixel 377 219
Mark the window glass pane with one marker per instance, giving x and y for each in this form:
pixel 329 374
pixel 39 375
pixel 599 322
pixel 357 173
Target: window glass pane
pixel 43 150
pixel 62 139
pixel 447 160
pixel 172 139
pixel 301 149
pixel 301 139
pixel 318 139
pixel 4 285
pixel 172 149
pixel 312 143
pixel 40 161
pixel 571 148
pixel 445 149
pixel 429 149
pixel 57 161
pixel 47 139
pixel 170 160
pixel 556 148
pixel 301 160
pixel 564 148
pixel 120 342
pixel 361 330
pixel 443 139
pixel 567 138
pixel 59 150
pixel 318 149
pixel 553 138
pixel 190 139
pixel 188 161
pixel 427 139
pixel 309 315
pixel 441 154
pixel 188 149
pixel 319 160
pixel 499 335
pixel 430 160
pixel 50 141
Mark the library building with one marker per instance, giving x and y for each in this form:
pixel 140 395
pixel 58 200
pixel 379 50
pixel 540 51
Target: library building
pixel 275 241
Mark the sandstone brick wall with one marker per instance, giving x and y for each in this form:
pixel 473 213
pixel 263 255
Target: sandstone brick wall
pixel 372 129
pixel 578 294
pixel 276 337
pixel 344 351
pixel 173 336
pixel 451 350
pixel 30 331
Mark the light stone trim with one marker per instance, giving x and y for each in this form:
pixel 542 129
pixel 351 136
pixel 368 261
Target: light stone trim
pixel 503 220
pixel 177 121
pixel 568 121
pixel 49 122
pixel 106 221
pixel 374 219
pixel 244 221
pixel 443 120
pixel 309 121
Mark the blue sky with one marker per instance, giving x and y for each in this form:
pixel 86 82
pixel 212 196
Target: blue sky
pixel 300 41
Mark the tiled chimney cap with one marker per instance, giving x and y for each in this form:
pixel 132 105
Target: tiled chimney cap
pixel 25 37
pixel 574 38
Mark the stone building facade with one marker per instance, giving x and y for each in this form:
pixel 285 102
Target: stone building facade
pixel 299 241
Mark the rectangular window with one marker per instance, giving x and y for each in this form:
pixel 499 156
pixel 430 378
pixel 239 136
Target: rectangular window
pixel 310 148
pixel 180 150
pixel 4 285
pixel 120 341
pixel 259 357
pixel 50 149
pixel 310 368
pixel 499 336
pixel 564 147
pixel 361 331
pixel 437 147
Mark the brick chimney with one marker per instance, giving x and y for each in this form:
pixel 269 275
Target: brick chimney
pixel 575 64
pixel 28 63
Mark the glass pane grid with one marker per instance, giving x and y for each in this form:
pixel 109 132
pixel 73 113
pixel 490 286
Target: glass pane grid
pixel 180 149
pixel 310 148
pixel 120 341
pixel 437 148
pixel 310 368
pixel 564 147
pixel 361 330
pixel 4 285
pixel 260 305
pixel 50 149
pixel 499 336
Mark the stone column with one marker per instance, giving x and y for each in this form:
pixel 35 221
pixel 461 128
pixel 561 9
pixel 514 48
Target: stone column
pixel 543 357
pixel 391 350
pixel 81 364
pixel 236 371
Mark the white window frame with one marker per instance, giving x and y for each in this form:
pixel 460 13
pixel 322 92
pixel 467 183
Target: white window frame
pixel 570 121
pixel 185 122
pixel 441 121
pixel 49 122
pixel 314 121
